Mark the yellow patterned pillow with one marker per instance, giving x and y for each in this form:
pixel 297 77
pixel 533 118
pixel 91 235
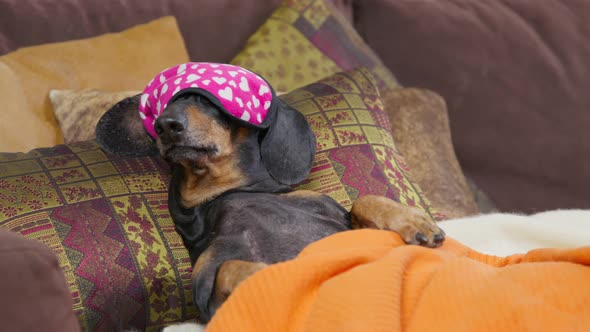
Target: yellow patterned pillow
pixel 356 154
pixel 305 40
pixel 106 219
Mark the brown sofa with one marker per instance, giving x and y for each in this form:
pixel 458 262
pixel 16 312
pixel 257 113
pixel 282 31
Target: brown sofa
pixel 512 75
pixel 33 287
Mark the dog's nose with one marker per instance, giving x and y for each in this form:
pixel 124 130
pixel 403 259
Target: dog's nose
pixel 170 126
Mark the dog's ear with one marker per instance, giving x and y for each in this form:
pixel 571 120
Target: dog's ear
pixel 120 131
pixel 288 148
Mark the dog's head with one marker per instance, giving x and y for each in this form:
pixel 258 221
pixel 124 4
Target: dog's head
pixel 217 149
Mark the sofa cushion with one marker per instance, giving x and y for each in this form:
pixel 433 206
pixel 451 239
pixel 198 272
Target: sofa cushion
pixel 114 62
pixel 420 127
pixel 35 296
pixel 304 41
pixel 107 220
pixel 515 76
pixel 355 153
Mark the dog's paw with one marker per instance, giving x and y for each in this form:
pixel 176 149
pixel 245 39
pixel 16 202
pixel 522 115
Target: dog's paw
pixel 415 227
pixel 412 224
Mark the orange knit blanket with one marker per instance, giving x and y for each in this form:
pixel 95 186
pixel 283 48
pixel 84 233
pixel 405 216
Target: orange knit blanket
pixel 368 280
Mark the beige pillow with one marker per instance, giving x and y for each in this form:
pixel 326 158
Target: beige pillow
pixel 112 62
pixel 78 111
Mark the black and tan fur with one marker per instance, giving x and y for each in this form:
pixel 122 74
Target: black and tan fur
pixel 230 194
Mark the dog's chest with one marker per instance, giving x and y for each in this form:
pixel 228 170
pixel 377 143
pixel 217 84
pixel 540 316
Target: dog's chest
pixel 277 227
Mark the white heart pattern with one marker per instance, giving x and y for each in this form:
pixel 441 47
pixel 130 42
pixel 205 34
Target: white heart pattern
pixel 259 118
pixel 232 83
pixel 219 80
pixel 263 89
pixel 218 72
pixel 194 66
pixel 176 90
pixel 256 101
pixel 244 84
pixel 164 89
pixel 232 73
pixel 158 107
pixel 142 115
pixel 239 101
pixel 249 104
pixel 144 98
pixel 206 82
pixel 214 65
pixel 162 79
pixel 266 104
pixel 202 70
pixel 156 93
pixel 192 77
pixel 245 116
pixel 226 93
pixel 181 69
pixel 178 80
pixel 194 86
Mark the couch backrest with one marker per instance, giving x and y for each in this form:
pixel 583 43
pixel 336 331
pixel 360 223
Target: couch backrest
pixel 213 30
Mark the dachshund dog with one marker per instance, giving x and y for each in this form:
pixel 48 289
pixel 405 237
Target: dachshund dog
pixel 230 194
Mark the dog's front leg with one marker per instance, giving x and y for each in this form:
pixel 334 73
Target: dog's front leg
pixel 229 275
pixel 412 224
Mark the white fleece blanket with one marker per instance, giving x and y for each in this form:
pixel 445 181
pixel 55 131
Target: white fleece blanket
pixel 503 234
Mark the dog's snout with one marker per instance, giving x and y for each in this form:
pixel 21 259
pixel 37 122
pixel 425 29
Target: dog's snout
pixel 170 126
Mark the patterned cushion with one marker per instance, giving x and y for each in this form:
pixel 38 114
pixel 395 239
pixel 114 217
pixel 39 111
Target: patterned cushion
pixel 107 220
pixel 305 40
pixel 356 154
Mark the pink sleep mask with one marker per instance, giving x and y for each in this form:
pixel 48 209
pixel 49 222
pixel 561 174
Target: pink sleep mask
pixel 236 91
